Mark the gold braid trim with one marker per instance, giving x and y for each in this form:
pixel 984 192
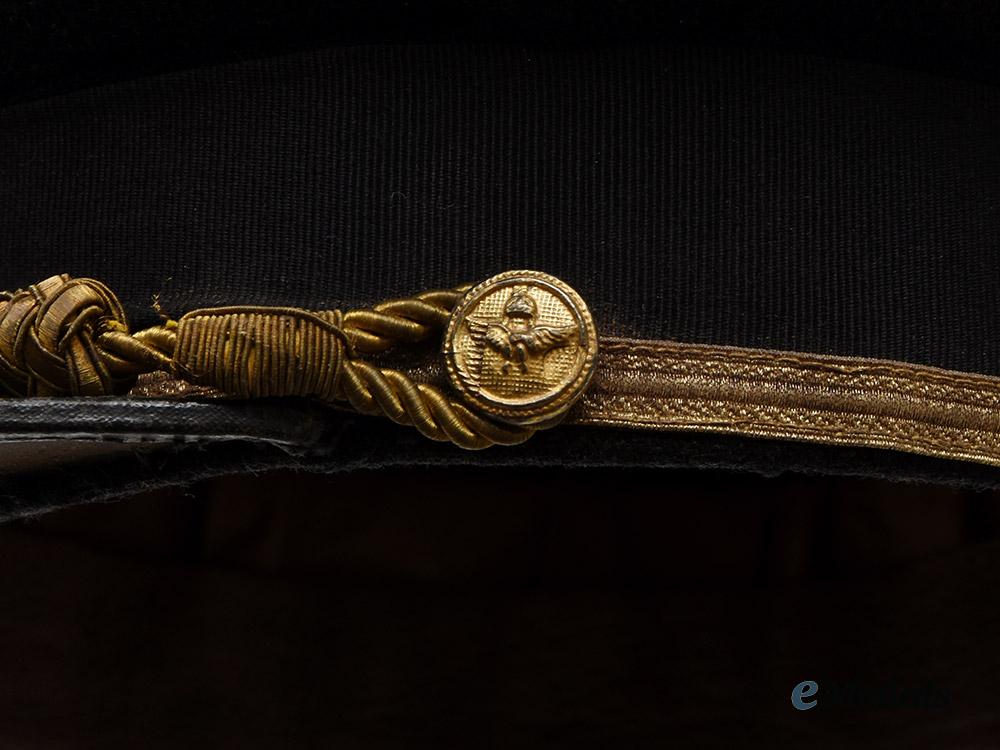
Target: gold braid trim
pixel 70 337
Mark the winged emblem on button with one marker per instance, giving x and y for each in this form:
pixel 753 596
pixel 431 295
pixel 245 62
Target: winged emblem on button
pixel 516 337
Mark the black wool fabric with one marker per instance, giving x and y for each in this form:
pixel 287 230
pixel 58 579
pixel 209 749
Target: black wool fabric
pixel 732 198
pixel 739 198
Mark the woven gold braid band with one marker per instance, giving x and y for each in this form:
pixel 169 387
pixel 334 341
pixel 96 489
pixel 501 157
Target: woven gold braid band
pixel 69 337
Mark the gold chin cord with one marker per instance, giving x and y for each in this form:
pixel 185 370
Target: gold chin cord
pixel 487 365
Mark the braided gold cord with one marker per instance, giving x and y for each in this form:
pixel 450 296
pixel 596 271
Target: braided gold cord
pixel 69 337
pixel 412 320
pixel 373 330
pixel 161 338
pixel 373 390
pixel 253 352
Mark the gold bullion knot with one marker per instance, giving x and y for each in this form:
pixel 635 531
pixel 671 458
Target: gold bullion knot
pixel 66 336
pixel 521 347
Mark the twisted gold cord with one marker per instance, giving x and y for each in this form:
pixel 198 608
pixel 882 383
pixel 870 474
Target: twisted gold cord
pixel 69 336
pixel 403 321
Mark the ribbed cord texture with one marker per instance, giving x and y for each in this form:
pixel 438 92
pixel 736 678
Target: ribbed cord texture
pixel 718 197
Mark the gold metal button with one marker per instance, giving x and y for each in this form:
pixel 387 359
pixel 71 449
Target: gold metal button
pixel 521 347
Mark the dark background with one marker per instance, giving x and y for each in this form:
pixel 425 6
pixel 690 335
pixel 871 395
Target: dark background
pixel 502 607
pixel 54 46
